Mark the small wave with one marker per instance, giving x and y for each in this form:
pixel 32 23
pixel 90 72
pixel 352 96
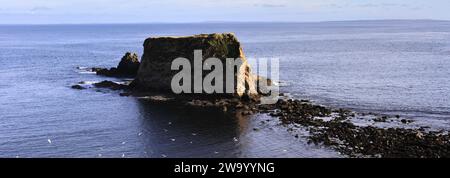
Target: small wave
pixel 82 68
pixel 86 72
pixel 88 82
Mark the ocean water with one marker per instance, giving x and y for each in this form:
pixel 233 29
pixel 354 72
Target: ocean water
pixel 386 67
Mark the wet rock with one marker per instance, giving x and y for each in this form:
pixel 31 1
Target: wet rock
pixel 380 119
pixel 96 69
pixel 83 83
pixel 406 121
pixel 372 141
pixel 107 72
pixel 276 114
pixel 78 87
pixel 111 85
pixel 125 94
pixel 355 141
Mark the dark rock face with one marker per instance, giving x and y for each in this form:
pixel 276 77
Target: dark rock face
pixel 155 72
pixel 78 87
pixel 111 85
pixel 129 64
pixel 128 67
pixel 106 72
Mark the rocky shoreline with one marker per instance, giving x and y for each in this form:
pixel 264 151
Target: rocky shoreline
pixel 337 131
pixel 340 133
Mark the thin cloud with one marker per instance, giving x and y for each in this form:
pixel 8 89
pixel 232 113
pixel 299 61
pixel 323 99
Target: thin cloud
pixel 143 11
pixel 40 9
pixel 270 5
pixel 370 5
pixel 334 6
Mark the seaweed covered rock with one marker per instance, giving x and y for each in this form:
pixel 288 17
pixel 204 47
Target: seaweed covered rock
pixel 155 72
pixel 128 67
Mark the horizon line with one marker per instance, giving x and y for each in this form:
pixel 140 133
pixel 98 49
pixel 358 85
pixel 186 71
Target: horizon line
pixel 224 22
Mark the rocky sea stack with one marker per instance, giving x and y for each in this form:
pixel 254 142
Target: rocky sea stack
pixel 155 72
pixel 128 67
pixel 351 133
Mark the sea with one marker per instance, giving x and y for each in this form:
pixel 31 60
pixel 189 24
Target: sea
pixel 390 67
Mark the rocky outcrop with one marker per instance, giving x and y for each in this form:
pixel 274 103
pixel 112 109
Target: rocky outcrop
pixel 78 87
pixel 111 85
pixel 155 72
pixel 128 67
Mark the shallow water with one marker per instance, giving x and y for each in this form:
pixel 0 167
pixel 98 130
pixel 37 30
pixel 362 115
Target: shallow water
pixel 387 67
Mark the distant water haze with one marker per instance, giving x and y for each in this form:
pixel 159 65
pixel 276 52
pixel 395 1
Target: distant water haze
pixel 145 11
pixel 388 67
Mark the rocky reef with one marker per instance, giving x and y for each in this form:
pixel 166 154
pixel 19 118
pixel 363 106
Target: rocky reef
pixel 361 141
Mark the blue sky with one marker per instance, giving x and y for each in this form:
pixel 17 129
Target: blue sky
pixel 147 11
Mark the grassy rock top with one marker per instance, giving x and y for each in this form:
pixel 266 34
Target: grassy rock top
pixel 213 45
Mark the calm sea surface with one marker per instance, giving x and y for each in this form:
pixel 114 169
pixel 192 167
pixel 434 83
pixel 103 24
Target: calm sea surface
pixel 388 67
